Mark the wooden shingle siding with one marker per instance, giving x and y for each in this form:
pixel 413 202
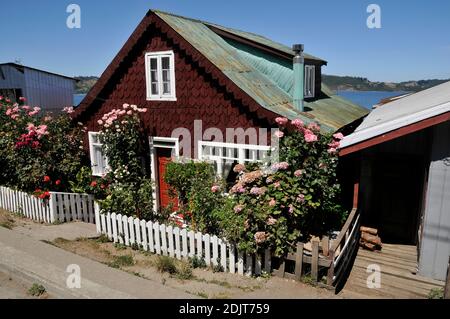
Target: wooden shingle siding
pixel 199 96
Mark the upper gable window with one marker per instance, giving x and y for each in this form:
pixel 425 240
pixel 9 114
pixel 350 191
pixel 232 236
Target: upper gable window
pixel 310 79
pixel 160 76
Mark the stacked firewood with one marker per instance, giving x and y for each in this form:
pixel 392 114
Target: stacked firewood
pixel 370 239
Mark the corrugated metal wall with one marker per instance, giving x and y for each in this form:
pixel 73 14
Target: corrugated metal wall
pixel 51 92
pixel 11 78
pixel 435 248
pixel 48 91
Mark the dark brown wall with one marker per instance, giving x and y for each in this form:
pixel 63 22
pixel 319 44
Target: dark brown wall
pixel 198 95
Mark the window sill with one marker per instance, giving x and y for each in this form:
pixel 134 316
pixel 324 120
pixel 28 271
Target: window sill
pixel 173 99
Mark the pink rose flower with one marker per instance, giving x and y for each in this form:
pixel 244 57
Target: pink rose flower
pixel 282 121
pixel 309 138
pixel 272 202
pixel 298 123
pixel 279 134
pixel 100 122
pixel 215 189
pixel 298 173
pixel 338 136
pixel 332 151
pixel 314 126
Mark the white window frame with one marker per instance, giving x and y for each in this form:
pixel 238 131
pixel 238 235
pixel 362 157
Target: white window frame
pixel 93 148
pixel 310 80
pixel 151 96
pixel 223 153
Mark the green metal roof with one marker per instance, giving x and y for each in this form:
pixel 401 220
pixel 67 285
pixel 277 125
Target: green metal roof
pixel 267 79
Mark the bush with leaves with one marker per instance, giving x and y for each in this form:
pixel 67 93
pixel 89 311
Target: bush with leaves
pixel 198 191
pixel 40 152
pixel 278 205
pixel 128 188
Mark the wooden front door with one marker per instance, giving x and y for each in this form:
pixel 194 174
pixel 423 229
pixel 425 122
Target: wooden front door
pixel 163 158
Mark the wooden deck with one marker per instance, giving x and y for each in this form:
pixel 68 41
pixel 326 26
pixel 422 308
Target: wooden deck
pixel 398 274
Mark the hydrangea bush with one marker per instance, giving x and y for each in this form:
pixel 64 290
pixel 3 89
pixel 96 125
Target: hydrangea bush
pixel 276 206
pixel 40 152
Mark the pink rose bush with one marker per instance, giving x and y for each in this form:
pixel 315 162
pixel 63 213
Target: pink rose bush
pixel 36 145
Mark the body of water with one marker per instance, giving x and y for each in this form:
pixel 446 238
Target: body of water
pixel 77 98
pixel 366 99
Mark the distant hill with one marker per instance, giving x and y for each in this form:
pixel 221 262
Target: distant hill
pixel 351 83
pixel 84 83
pixel 334 82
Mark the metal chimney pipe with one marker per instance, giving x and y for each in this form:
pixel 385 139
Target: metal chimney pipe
pixel 299 77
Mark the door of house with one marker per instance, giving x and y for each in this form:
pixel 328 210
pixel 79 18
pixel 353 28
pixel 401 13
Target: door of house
pixel 397 194
pixel 163 157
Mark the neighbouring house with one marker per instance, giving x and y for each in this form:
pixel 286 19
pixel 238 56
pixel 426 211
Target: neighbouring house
pixel 185 71
pixel 400 155
pixel 50 91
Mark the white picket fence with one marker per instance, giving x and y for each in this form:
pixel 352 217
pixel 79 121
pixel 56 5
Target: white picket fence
pixel 179 243
pixel 61 207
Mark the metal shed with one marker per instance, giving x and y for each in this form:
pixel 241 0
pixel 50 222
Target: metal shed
pixel 402 151
pixel 50 91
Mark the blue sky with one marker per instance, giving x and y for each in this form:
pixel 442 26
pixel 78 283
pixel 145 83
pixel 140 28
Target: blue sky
pixel 412 44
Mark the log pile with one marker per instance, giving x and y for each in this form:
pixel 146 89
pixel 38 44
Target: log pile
pixel 370 239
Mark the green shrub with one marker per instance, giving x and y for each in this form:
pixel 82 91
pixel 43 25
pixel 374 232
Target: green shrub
pixel 197 262
pixel 36 290
pixel 166 264
pixel 436 293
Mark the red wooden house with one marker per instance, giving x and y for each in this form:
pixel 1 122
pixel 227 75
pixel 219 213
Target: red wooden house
pixel 184 70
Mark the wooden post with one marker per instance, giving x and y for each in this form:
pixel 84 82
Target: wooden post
pixel 325 245
pixel 299 261
pixel 355 194
pixel 315 261
pixel 330 275
pixel 447 282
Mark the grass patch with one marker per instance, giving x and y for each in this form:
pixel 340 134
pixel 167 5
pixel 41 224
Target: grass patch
pixel 202 294
pixel 166 264
pixel 184 271
pixel 102 239
pixel 7 224
pixel 36 290
pixel 121 261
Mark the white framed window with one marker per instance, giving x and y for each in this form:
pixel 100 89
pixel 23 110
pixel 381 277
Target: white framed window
pixel 160 76
pixel 310 79
pixel 225 155
pixel 99 162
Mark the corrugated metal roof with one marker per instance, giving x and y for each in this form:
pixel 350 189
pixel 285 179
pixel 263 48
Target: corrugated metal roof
pixel 402 112
pixel 331 112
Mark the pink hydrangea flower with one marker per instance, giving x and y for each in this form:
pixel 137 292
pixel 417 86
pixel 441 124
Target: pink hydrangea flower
pixel 272 202
pixel 68 109
pixel 280 166
pixel 271 221
pixel 282 121
pixel 100 122
pixel 334 144
pixel 338 136
pixel 257 191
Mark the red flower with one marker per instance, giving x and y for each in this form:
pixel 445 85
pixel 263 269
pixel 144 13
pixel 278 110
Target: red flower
pixel 47 179
pixel 58 182
pixel 94 184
